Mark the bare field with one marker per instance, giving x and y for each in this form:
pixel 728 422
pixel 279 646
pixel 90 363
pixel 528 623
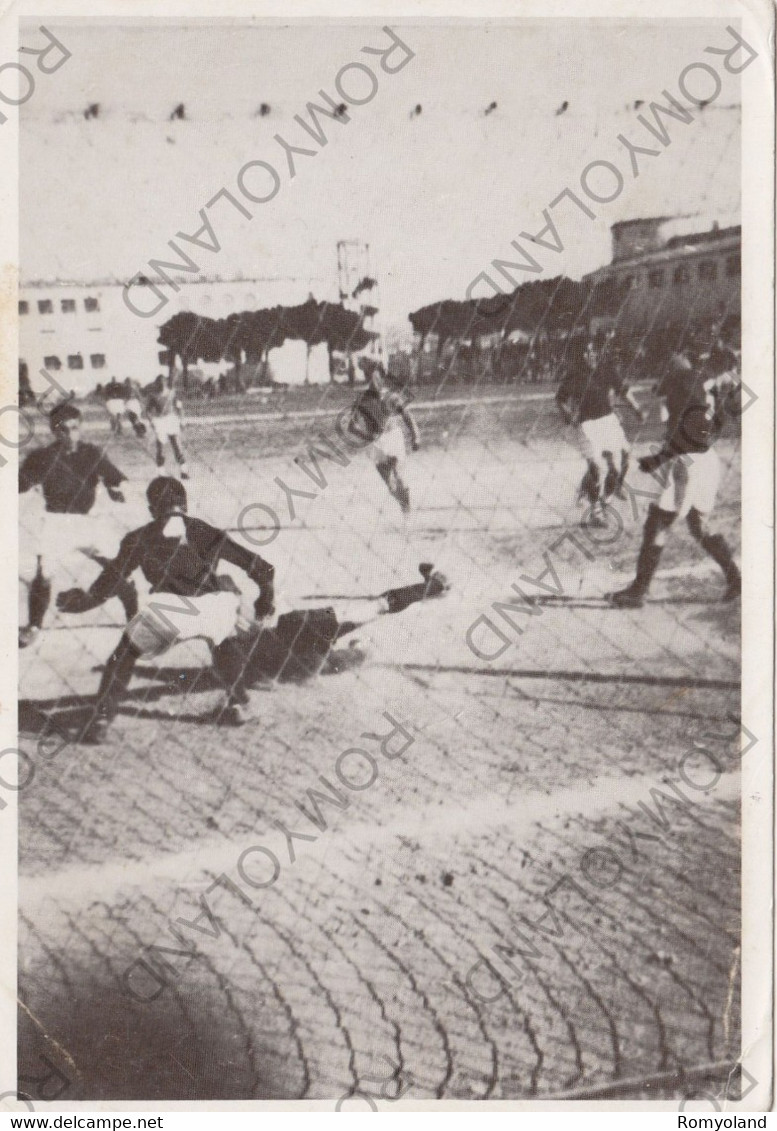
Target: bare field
pixel 519 830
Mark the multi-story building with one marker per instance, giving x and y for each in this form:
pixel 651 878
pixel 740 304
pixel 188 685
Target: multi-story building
pixel 84 334
pixel 672 276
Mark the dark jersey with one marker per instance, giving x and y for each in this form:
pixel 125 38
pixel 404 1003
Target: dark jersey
pixel 589 390
pixel 69 479
pixel 695 412
pixel 373 410
pixel 163 402
pixel 183 566
pixel 114 391
pixel 721 359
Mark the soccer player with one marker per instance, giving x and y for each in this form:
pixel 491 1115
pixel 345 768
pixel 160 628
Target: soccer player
pixel 114 402
pixel 694 418
pixel 68 472
pixel 164 411
pixel 133 407
pixel 377 418
pixel 586 398
pixel 179 556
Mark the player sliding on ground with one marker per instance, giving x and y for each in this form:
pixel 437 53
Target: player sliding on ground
pixel 694 414
pixel 179 556
pixel 68 473
pixel 586 397
pixel 377 418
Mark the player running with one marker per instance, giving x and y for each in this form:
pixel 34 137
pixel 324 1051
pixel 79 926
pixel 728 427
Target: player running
pixel 179 556
pixel 586 398
pixel 114 402
pixel 133 407
pixel 165 411
pixel 694 414
pixel 68 472
pixel 377 418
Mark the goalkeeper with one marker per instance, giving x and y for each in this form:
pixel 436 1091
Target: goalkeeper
pixel 179 556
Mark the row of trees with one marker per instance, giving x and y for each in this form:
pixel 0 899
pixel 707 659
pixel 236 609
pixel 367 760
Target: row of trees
pixel 248 336
pixel 547 306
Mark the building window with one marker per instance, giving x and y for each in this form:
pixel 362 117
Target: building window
pixel 24 307
pixel 68 306
pixel 682 275
pixel 52 363
pixel 655 279
pixel 97 360
pixel 91 304
pixel 75 361
pixel 708 271
pixel 45 306
pixel 733 265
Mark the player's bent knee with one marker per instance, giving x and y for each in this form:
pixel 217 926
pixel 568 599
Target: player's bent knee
pixel 149 635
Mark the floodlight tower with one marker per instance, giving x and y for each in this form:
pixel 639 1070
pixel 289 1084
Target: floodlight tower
pixel 359 290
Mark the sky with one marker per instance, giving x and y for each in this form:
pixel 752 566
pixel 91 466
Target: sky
pixel 437 194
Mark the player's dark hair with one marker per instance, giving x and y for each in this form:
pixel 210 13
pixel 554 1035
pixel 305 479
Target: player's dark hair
pixel 165 495
pixel 62 412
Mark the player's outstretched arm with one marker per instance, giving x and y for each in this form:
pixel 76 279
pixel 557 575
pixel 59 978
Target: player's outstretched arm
pixel 261 572
pixel 29 473
pixel 412 427
pixel 654 461
pixel 108 584
pixel 112 478
pixel 630 399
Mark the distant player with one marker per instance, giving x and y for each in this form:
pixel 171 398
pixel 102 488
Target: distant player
pixel 114 402
pixel 179 556
pixel 586 398
pixel 133 407
pixel 377 418
pixel 68 473
pixel 165 412
pixel 694 418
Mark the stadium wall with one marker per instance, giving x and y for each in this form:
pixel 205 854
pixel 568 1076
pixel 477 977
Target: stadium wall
pixel 84 334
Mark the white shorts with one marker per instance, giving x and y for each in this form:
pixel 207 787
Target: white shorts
pixel 693 483
pixel 166 619
pixel 166 426
pixel 602 435
pixel 115 407
pixel 389 445
pixel 133 405
pixel 65 543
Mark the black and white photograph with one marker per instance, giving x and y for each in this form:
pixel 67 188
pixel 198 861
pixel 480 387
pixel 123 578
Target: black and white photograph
pixel 392 464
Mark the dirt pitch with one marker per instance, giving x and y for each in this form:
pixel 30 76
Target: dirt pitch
pixel 506 909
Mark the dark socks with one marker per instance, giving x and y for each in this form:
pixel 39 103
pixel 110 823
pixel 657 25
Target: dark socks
pixel 39 598
pixel 647 564
pixel 230 665
pixel 116 677
pixel 717 548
